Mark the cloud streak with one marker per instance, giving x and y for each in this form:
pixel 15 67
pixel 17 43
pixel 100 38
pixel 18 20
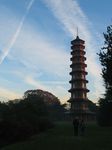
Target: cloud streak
pixel 6 50
pixel 47 59
pixel 36 53
pixel 71 16
pixel 41 56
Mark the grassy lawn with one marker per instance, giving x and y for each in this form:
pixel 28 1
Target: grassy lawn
pixel 61 138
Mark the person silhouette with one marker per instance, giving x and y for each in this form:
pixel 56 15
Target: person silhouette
pixel 82 127
pixel 76 126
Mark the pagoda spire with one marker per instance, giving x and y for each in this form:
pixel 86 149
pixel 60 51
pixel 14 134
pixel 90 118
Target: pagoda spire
pixel 77 32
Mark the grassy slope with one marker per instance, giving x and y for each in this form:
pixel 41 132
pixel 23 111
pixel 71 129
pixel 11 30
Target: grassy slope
pixel 61 138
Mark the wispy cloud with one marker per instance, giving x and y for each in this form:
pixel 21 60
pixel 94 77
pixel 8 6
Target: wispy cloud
pixel 71 16
pixel 29 5
pixel 37 55
pixel 6 50
pixel 40 55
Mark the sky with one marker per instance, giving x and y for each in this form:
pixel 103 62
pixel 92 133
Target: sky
pixel 35 38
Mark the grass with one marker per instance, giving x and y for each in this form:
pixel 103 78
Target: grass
pixel 61 138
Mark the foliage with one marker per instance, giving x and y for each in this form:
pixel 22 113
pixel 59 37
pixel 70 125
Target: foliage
pixel 56 110
pixel 105 57
pixel 21 119
pixel 35 113
pixel 105 112
pixel 47 97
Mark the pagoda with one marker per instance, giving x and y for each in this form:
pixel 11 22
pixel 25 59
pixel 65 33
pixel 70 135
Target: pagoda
pixel 78 100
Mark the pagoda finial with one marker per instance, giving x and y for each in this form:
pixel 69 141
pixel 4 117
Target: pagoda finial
pixel 77 37
pixel 77 31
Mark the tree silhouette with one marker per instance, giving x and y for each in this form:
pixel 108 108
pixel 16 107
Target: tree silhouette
pixel 105 57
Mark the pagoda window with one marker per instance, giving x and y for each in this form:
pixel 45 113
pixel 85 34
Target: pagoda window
pixel 73 95
pixel 83 76
pixel 83 85
pixel 77 76
pixel 84 95
pixel 73 85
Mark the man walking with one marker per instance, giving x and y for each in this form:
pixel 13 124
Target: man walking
pixel 76 126
pixel 82 127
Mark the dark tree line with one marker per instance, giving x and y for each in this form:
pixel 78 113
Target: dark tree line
pixel 35 113
pixel 105 57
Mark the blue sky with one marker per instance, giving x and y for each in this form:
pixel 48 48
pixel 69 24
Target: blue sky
pixel 35 45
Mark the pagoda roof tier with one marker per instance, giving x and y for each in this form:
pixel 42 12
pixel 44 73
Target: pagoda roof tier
pixel 80 71
pixel 78 89
pixel 81 57
pixel 77 40
pixel 78 100
pixel 75 80
pixel 77 46
pixel 77 69
pixel 75 52
pixel 78 64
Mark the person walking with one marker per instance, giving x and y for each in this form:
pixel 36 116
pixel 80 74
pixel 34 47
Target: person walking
pixel 76 126
pixel 82 127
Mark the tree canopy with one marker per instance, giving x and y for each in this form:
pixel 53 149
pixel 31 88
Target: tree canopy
pixel 47 97
pixel 32 114
pixel 105 57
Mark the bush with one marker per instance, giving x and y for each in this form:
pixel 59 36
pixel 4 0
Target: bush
pixel 105 112
pixel 22 119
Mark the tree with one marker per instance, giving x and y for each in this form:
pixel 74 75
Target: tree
pixel 47 97
pixel 23 118
pixel 34 113
pixel 105 57
pixel 55 109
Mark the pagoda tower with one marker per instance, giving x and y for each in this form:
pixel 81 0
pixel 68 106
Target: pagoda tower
pixel 78 80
